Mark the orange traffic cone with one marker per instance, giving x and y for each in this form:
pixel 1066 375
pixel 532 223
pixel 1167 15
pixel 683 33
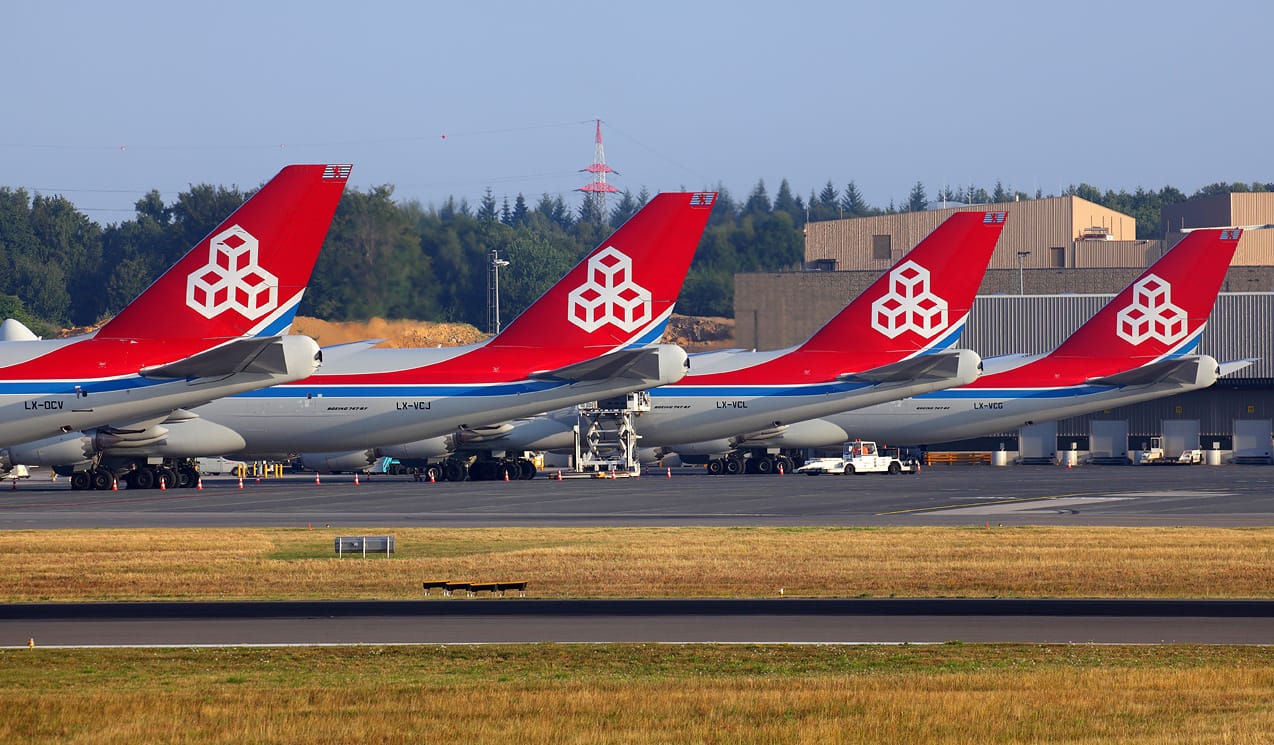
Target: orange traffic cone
pixel 506 474
pixel 356 478
pixel 559 474
pixel 669 472
pixel 240 482
pixel 163 483
pixel 316 479
pixel 199 484
pixel 431 476
pixel 114 484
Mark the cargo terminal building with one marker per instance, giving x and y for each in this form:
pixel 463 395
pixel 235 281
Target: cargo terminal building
pixel 1057 262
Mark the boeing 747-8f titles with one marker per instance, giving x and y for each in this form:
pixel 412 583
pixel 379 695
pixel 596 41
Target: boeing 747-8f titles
pixel 211 326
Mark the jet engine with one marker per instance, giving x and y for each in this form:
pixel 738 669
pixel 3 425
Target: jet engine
pixel 68 449
pixel 355 460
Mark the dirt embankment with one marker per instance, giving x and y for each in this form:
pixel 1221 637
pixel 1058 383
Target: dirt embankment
pixel 399 333
pixel 694 333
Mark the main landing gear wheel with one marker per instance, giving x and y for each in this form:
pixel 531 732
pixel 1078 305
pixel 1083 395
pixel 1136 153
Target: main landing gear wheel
pixel 168 475
pixel 187 477
pixel 765 466
pixel 102 478
pixel 733 466
pixel 716 467
pixel 81 480
pixel 142 478
pixel 454 470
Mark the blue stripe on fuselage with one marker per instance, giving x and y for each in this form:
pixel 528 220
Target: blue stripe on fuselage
pixel 988 393
pixel 727 391
pixel 63 387
pixel 400 391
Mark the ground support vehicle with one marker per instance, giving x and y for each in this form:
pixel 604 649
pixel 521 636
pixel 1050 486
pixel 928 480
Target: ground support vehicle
pixel 860 456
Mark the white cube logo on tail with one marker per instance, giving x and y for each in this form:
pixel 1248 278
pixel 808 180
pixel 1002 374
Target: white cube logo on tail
pixel 1152 314
pixel 610 295
pixel 909 305
pixel 232 278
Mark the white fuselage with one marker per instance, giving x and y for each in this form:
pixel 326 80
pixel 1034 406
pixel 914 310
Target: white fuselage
pixel 686 413
pixel 32 410
pixel 316 416
pixel 962 413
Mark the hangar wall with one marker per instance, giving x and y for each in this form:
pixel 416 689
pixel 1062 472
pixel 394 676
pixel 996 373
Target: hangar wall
pixel 1074 256
pixel 773 311
pixel 1241 326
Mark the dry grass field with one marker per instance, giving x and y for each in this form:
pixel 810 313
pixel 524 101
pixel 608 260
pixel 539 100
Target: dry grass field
pixel 209 564
pixel 551 693
pixel 640 694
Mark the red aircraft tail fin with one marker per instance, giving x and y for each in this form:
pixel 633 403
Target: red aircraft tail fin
pixel 921 303
pixel 622 293
pixel 247 277
pixel 1162 313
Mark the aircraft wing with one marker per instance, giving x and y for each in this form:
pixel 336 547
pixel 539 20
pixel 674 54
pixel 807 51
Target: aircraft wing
pixel 625 363
pixel 250 354
pixel 934 366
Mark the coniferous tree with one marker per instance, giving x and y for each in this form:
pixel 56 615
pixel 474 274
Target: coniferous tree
pixel 624 209
pixel 828 207
pixel 520 211
pixel 916 200
pixel 785 201
pixel 758 201
pixel 486 208
pixel 852 202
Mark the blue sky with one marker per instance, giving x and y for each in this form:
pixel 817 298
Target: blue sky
pixel 106 100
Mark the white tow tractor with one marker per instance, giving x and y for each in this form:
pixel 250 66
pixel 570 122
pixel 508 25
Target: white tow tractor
pixel 860 456
pixel 1155 455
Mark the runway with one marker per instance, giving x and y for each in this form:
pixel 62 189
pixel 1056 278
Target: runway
pixel 799 621
pixel 1226 496
pixel 1222 496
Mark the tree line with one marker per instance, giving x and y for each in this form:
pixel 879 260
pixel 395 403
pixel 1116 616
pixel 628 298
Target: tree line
pixel 397 259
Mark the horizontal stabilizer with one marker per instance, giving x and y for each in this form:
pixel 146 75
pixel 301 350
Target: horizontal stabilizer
pixel 341 351
pixel 641 363
pixel 934 366
pixel 1182 370
pixel 251 355
pixel 1234 366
